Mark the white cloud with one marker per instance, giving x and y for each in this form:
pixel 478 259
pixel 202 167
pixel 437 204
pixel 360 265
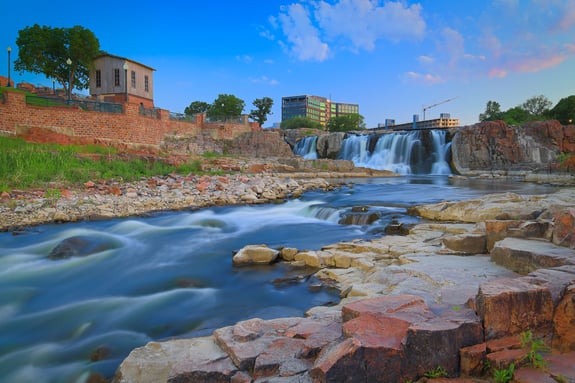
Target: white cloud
pixel 356 25
pixel 303 40
pixel 245 59
pixel 363 22
pixel 426 59
pixel 423 78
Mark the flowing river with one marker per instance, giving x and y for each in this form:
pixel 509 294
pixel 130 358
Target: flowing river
pixel 170 275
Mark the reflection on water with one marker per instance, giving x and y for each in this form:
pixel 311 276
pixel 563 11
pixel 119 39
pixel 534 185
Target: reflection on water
pixel 130 281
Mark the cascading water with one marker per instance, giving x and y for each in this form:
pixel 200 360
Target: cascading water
pixel 415 152
pixel 441 150
pixel 306 147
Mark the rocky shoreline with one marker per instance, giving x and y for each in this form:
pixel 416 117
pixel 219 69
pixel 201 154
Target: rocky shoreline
pixel 114 199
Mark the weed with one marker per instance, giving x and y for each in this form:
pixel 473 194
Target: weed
pixel 437 373
pixel 52 196
pixel 505 375
pixel 534 349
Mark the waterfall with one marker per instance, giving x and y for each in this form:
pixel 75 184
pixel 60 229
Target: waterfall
pixel 440 150
pixel 355 148
pixel 306 147
pixel 405 153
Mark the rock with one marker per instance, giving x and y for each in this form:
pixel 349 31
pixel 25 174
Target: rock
pixel 81 246
pixel 329 145
pixel 466 243
pixel 255 254
pixel 159 361
pixel 564 322
pixel 564 228
pixel 511 306
pixel 524 256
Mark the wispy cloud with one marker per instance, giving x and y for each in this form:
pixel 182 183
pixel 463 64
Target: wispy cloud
pixel 264 80
pixel 423 78
pixel 313 30
pixel 246 59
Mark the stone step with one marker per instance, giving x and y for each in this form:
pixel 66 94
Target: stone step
pixel 524 256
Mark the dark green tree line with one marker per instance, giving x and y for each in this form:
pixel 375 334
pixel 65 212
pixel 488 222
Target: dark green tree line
pixel 536 108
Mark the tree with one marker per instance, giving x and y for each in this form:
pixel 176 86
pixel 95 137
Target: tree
pixel 492 112
pixel 345 123
pixel 263 108
pixel 537 106
pixel 564 111
pixel 300 122
pixel 516 116
pixel 46 50
pixel 226 107
pixel 197 107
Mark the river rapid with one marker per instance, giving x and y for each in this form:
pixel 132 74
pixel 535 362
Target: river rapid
pixel 170 275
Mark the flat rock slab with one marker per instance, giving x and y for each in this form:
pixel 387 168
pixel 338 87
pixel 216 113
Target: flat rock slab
pixel 524 256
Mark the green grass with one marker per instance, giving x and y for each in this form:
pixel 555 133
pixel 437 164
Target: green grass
pixel 25 165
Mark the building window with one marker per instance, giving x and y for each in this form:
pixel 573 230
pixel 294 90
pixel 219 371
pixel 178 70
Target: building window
pixel 116 77
pixel 98 78
pixel 134 79
pixel 146 84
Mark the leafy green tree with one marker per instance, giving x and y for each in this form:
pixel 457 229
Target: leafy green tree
pixel 516 116
pixel 300 122
pixel 564 111
pixel 345 123
pixel 45 50
pixel 537 106
pixel 492 112
pixel 197 107
pixel 226 107
pixel 263 108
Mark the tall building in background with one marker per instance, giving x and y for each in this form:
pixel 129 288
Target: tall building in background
pixel 316 108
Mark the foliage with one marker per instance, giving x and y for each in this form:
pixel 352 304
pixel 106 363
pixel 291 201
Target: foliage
pixel 345 123
pixel 537 106
pixel 564 111
pixel 492 112
pixel 533 109
pixel 226 107
pixel 24 165
pixel 263 108
pixel 437 373
pixel 534 348
pixel 505 375
pixel 197 107
pixel 46 50
pixel 300 122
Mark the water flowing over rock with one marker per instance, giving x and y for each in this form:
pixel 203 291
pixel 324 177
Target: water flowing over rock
pixel 399 307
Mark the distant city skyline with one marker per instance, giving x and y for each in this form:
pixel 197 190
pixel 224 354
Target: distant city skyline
pixel 393 58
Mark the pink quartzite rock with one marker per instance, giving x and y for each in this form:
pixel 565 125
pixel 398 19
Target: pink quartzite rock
pixel 395 339
pixel 512 306
pixel 564 322
pixel 564 228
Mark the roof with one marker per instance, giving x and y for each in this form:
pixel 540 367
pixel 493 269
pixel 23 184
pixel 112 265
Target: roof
pixel 124 59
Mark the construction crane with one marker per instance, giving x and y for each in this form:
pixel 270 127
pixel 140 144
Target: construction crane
pixel 434 105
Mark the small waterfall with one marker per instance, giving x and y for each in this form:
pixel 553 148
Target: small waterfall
pixel 306 147
pixel 405 153
pixel 440 150
pixel 355 148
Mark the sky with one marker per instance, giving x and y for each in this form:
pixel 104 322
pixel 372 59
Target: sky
pixel 393 58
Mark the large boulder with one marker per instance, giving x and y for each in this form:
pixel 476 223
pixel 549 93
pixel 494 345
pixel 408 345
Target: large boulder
pixel 255 254
pixel 329 145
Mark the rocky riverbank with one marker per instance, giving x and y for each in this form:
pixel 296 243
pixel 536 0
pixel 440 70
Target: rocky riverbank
pixel 453 298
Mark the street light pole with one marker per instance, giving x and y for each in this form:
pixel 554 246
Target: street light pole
pixel 69 62
pixel 9 51
pixel 126 78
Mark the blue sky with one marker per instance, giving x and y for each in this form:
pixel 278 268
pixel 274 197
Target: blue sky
pixel 390 57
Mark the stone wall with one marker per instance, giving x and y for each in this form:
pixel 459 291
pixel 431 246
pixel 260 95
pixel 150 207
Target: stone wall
pixel 74 125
